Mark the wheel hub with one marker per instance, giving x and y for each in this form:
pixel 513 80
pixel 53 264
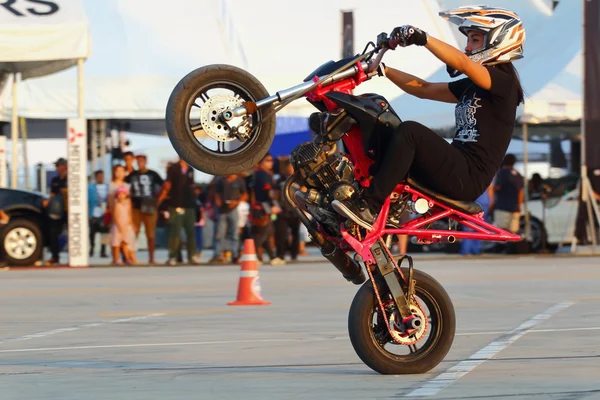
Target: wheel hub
pixel 20 243
pixel 399 333
pixel 210 116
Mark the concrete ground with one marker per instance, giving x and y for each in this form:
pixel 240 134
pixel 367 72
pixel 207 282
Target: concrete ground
pixel 527 328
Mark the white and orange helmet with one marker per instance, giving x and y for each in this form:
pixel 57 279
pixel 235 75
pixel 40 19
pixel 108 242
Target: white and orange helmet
pixel 504 32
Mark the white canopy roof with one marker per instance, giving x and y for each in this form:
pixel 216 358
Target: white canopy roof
pixel 142 50
pixel 40 38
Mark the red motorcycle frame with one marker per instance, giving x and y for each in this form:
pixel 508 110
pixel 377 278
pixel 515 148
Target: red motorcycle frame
pixel 353 143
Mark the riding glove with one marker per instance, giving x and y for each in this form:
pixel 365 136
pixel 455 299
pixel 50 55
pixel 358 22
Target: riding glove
pixel 407 35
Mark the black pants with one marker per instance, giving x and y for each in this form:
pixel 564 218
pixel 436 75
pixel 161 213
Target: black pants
pixel 55 229
pixel 96 226
pixel 416 151
pixel 261 236
pixel 282 224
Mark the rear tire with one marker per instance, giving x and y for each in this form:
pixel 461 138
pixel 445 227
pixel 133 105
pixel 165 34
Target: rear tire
pixel 372 353
pixel 184 141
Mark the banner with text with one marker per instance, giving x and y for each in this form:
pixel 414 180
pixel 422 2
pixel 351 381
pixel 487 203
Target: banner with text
pixel 77 198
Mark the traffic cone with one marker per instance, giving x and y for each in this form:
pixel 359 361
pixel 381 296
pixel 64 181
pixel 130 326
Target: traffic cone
pixel 249 285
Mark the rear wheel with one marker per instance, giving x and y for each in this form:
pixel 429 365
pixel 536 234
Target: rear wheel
pixel 419 352
pixel 197 133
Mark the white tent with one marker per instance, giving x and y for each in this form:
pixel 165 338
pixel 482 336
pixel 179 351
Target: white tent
pixel 141 50
pixel 36 39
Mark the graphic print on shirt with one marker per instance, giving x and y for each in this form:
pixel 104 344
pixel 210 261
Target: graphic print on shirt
pixel 466 123
pixel 143 186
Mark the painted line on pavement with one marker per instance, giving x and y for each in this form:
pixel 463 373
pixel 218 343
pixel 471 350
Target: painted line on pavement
pixel 181 312
pixel 339 336
pixel 447 378
pixel 76 327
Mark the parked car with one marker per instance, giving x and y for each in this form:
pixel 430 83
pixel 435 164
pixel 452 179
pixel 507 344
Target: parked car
pixel 22 240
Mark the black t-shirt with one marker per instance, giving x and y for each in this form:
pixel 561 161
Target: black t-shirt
pixel 507 196
pixel 485 121
pixel 261 184
pixel 229 191
pixel 143 185
pixel 57 183
pixel 58 186
pixel 181 193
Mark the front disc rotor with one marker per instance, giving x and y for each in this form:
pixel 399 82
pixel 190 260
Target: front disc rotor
pixel 210 116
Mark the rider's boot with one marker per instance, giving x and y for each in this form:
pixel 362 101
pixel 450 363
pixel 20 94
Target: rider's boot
pixel 359 209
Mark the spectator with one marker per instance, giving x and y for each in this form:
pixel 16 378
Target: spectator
pixel 200 221
pixel 229 191
pixel 129 158
pixel 508 192
pixel 263 208
pixel 179 187
pixel 287 223
pixel 97 197
pixel 122 234
pixel 118 180
pixel 58 208
pixel 145 186
pixel 537 188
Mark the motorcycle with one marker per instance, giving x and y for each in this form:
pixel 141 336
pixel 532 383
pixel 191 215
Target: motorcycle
pixel 401 320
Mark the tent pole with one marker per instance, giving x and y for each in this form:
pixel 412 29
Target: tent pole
pixel 102 131
pixel 80 93
pixel 14 135
pixel 23 126
pixel 526 182
pixel 94 144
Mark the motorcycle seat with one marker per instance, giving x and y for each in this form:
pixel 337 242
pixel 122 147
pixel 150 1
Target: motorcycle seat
pixel 469 207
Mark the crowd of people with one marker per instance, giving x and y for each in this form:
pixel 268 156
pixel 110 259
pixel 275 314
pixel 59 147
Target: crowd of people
pixel 239 206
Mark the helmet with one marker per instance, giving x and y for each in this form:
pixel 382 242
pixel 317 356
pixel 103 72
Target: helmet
pixel 504 34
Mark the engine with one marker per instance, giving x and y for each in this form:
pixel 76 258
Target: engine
pixel 327 176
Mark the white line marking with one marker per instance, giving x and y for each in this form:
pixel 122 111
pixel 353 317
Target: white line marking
pixel 456 372
pixel 341 337
pixel 116 346
pixel 76 327
pixel 590 328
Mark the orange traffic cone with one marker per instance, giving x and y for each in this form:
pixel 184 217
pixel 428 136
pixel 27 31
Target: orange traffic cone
pixel 249 286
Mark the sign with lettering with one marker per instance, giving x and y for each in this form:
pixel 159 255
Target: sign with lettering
pixel 77 199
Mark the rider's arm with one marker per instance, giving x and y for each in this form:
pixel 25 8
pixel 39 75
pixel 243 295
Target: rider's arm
pixel 419 87
pixel 460 61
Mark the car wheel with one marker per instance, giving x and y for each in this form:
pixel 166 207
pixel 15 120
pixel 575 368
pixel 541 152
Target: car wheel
pixel 536 235
pixel 22 242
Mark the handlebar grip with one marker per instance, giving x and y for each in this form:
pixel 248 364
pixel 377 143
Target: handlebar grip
pixel 393 43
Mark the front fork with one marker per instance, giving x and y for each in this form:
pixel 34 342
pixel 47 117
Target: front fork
pixel 386 265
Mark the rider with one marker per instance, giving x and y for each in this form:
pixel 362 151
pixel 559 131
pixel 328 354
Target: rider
pixel 486 103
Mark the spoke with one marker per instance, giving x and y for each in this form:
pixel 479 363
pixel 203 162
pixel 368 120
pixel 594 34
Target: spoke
pixel 196 127
pixel 204 96
pixel 197 105
pixel 412 348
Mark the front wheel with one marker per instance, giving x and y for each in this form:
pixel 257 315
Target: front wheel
pixel 415 354
pixel 199 134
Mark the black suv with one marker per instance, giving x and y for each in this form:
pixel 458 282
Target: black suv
pixel 22 239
